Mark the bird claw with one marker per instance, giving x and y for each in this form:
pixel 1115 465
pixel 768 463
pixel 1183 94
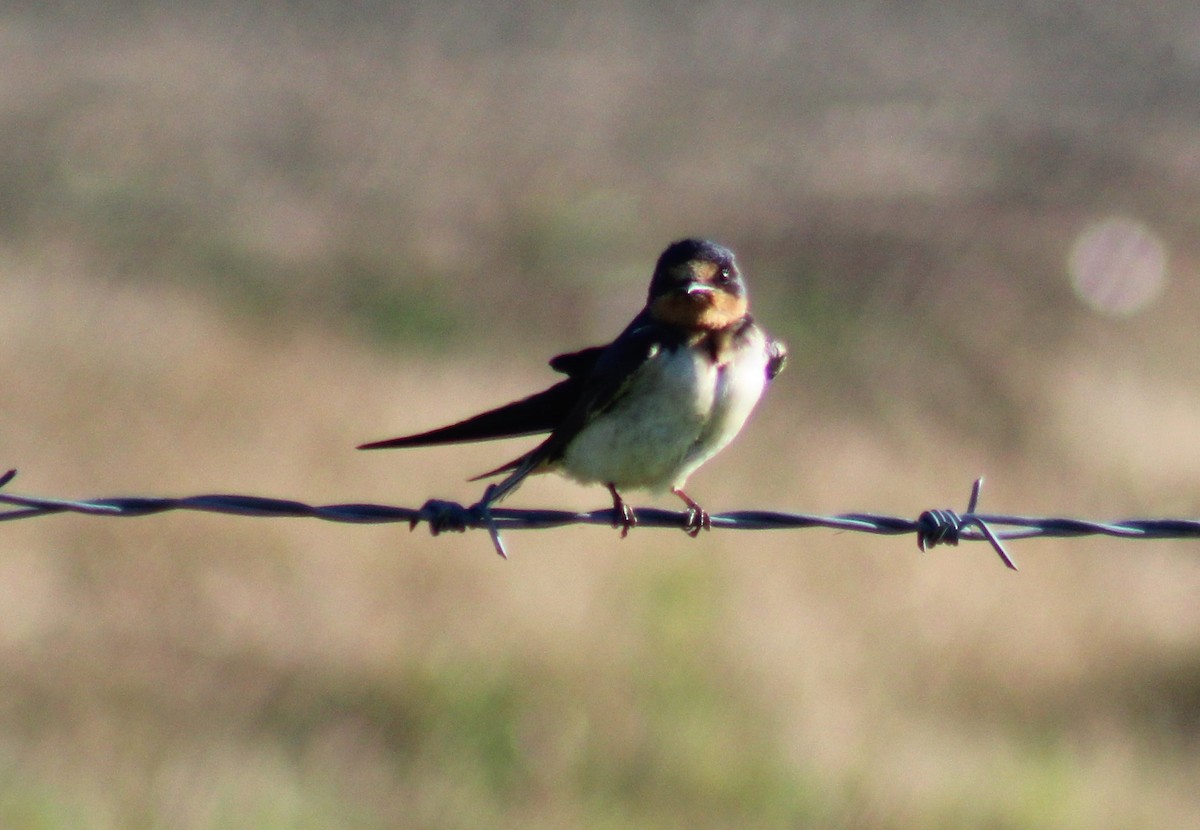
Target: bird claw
pixel 697 520
pixel 697 517
pixel 624 518
pixel 623 515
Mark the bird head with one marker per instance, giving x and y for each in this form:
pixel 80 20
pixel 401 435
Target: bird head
pixel 697 285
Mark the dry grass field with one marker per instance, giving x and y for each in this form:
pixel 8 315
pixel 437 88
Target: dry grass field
pixel 234 244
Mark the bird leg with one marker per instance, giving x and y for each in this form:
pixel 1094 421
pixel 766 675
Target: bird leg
pixel 697 517
pixel 623 516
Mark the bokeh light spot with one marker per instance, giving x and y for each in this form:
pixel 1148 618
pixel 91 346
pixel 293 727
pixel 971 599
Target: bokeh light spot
pixel 1118 266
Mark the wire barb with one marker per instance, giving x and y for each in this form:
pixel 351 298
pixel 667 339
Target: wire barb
pixel 932 528
pixel 484 511
pixel 945 527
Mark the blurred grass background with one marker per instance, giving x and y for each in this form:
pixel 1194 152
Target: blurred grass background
pixel 236 241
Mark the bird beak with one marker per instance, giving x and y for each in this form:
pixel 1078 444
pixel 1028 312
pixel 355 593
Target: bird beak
pixel 699 289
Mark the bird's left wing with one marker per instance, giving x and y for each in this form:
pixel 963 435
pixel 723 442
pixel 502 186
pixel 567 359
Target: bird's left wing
pixel 777 355
pixel 615 367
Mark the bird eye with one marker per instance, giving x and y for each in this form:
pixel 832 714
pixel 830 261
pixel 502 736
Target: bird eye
pixel 724 276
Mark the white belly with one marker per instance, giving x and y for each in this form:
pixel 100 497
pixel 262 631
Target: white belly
pixel 678 413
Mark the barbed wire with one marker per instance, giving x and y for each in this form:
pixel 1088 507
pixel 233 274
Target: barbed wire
pixel 931 528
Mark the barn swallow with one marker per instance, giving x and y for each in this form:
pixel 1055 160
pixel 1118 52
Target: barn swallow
pixel 645 411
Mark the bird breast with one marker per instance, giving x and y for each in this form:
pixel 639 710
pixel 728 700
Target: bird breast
pixel 680 409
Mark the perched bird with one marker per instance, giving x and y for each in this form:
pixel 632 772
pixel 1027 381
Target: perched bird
pixel 645 411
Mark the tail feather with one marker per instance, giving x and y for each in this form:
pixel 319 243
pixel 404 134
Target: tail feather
pixel 538 413
pixel 518 470
pixel 504 468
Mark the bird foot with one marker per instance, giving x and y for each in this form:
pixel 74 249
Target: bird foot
pixel 697 520
pixel 623 515
pixel 697 517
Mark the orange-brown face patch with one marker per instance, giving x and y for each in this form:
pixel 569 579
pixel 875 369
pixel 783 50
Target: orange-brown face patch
pixel 700 311
pixel 703 270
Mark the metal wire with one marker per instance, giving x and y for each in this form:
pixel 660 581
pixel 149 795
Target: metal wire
pixel 932 528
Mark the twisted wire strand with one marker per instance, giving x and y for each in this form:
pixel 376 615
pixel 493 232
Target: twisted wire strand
pixel 932 528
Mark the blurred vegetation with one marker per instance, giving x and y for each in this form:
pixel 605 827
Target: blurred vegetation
pixel 236 240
